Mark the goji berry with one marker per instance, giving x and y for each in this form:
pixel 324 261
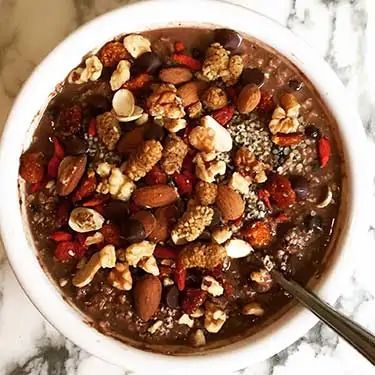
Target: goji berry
pixel 32 167
pixel 187 61
pixel 224 115
pixel 324 150
pixel 58 149
pixel 60 236
pixel 65 250
pixel 164 252
pixel 281 218
pixel 141 81
pixel 37 186
pixel 85 188
pixel 165 271
pixel 100 208
pixel 188 163
pixel 81 239
pixel 193 298
pixel 133 208
pixel 228 288
pixel 80 251
pixel 258 234
pixel 264 196
pixel 232 93
pixel 156 176
pixel 216 272
pixel 92 128
pixel 53 166
pixel 266 103
pixel 180 276
pixel 63 212
pixel 281 192
pixel 96 201
pixel 184 182
pixel 111 234
pixel 179 46
pixel 70 120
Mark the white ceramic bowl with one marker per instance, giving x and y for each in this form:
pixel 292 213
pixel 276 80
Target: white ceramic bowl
pixel 22 121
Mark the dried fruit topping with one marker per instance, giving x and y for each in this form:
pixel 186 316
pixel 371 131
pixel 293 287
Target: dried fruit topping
pixel 324 149
pixel 180 276
pixel 111 234
pixel 156 176
pixel 112 53
pixel 131 141
pixel 281 192
pixel 287 139
pixel 205 193
pixel 179 46
pixel 60 236
pixel 70 120
pixel 165 252
pixel 139 82
pixel 185 182
pixel 258 234
pixel 147 219
pixel 224 115
pixel 32 167
pixel 174 153
pixel 264 196
pixel 147 296
pixel 96 201
pixel 53 166
pixel 65 251
pixel 187 61
pixel 92 131
pixel 193 298
pixel 58 148
pixel 86 187
pixel 63 212
pixel 71 170
pixel 266 103
pixel 202 255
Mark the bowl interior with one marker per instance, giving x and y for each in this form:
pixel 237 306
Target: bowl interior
pixel 54 69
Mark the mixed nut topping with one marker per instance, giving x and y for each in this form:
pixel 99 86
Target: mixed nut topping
pixel 166 177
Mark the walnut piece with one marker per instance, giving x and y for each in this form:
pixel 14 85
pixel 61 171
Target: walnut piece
pixel 217 64
pixel 105 258
pixel 208 172
pixel 172 125
pixel 221 235
pixel 186 320
pixel 284 117
pixel 246 163
pixel 149 265
pixel 214 318
pixel 202 138
pixel 142 161
pixel 94 239
pixel 205 193
pixel 253 308
pixel 120 277
pixel 91 72
pixel 117 184
pixel 174 153
pixel 203 255
pixel 108 128
pixel 239 183
pixel 120 75
pixel 195 110
pixel 164 102
pixel 197 338
pixel 155 327
pixel 134 253
pixel 212 286
pixel 192 224
pixel 214 98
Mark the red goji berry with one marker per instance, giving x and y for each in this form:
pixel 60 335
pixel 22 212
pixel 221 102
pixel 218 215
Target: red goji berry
pixel 156 176
pixel 65 250
pixel 81 239
pixel 188 163
pixel 111 234
pixel 63 212
pixel 100 208
pixel 281 218
pixel 92 128
pixel 96 201
pixel 264 196
pixel 187 61
pixel 85 188
pixel 224 115
pixel 324 149
pixel 140 82
pixel 179 46
pixel 281 192
pixel 53 166
pixel 164 252
pixel 232 93
pixel 193 298
pixel 60 236
pixel 185 182
pixel 266 103
pixel 58 149
pixel 180 276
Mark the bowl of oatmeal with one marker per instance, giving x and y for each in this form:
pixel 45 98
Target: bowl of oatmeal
pixel 156 170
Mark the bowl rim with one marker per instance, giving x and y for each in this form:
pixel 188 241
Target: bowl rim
pixel 56 66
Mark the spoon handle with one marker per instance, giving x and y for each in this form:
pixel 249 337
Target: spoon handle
pixel 353 333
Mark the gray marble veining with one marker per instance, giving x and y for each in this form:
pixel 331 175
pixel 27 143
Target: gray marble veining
pixel 339 30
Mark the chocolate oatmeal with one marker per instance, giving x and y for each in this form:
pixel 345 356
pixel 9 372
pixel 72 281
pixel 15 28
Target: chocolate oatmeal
pixel 168 173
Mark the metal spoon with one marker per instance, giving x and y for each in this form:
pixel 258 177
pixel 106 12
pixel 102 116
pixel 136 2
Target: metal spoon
pixel 353 333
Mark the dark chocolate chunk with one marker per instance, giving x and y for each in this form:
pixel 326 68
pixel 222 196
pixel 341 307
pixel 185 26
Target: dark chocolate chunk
pixel 172 297
pixel 252 76
pixel 75 146
pixel 133 231
pixel 229 39
pixel 148 62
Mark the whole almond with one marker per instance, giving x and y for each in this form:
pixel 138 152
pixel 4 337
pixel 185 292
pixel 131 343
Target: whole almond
pixel 147 219
pixel 191 91
pixel 175 75
pixel 131 141
pixel 70 172
pixel 229 202
pixel 147 296
pixel 155 196
pixel 165 218
pixel 248 99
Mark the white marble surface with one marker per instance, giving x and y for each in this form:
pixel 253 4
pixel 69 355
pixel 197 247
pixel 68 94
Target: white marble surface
pixel 340 30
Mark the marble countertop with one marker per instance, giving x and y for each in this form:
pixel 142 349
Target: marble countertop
pixel 339 30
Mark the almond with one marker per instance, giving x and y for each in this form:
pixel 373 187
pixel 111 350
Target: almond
pixel 70 172
pixel 155 196
pixel 248 99
pixel 229 202
pixel 147 296
pixel 147 219
pixel 165 218
pixel 190 92
pixel 175 75
pixel 131 140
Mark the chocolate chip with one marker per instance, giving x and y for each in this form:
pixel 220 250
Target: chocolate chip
pixel 75 146
pixel 205 236
pixel 252 75
pixel 300 185
pixel 154 131
pixel 314 222
pixel 172 297
pixel 312 132
pixel 216 218
pixel 98 104
pixel 116 211
pixel 229 39
pixel 295 85
pixel 197 54
pixel 133 231
pixel 148 62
